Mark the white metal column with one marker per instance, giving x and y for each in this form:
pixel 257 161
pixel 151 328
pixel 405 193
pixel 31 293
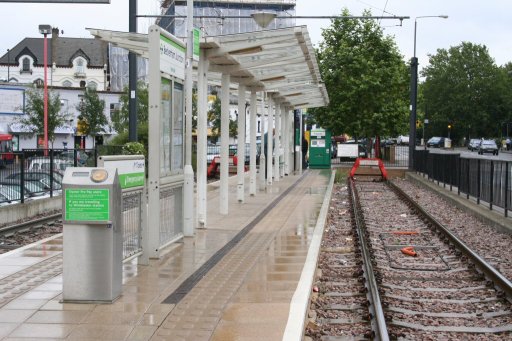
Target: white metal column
pixel 188 171
pixel 286 138
pixel 252 156
pixel 202 132
pixel 240 168
pixel 277 148
pixel 270 136
pixel 263 158
pixel 224 144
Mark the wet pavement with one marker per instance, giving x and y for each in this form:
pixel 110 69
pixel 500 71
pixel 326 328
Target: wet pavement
pixel 244 295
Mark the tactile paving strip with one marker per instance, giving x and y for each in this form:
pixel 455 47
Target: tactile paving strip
pixel 25 280
pixel 193 279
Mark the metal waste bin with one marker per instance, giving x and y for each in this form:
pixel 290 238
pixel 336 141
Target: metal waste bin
pixel 93 235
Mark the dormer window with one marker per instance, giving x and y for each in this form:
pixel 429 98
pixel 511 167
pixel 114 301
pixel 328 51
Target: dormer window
pixel 80 68
pixel 25 65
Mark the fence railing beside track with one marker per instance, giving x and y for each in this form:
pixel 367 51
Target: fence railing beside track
pixel 37 173
pixel 393 156
pixel 483 180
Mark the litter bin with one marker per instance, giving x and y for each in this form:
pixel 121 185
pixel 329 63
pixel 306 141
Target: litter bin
pixel 93 235
pixel 447 143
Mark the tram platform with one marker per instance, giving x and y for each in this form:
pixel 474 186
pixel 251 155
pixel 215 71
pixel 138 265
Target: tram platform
pixel 247 276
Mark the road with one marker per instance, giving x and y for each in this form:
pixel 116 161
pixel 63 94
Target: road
pixel 503 155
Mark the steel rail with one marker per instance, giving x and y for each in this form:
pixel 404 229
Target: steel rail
pixel 380 327
pixel 499 280
pixel 20 226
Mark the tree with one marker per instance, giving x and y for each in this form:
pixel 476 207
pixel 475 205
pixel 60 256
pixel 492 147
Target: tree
pixel 464 88
pixel 214 118
pixel 366 78
pixel 33 120
pixel 92 114
pixel 120 118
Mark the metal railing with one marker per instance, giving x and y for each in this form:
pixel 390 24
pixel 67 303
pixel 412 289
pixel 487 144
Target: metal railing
pixel 392 155
pixel 482 180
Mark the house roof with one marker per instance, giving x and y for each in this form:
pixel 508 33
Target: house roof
pixel 60 50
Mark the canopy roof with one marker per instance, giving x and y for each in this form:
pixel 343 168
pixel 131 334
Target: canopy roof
pixel 279 61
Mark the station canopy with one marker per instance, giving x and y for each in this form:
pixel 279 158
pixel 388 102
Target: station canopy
pixel 280 61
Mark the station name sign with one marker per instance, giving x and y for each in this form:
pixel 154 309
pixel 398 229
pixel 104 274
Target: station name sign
pixel 60 1
pixel 172 57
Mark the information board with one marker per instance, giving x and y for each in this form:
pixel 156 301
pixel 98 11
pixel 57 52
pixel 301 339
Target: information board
pixel 87 204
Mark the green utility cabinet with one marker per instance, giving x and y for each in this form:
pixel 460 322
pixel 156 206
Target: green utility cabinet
pixel 320 149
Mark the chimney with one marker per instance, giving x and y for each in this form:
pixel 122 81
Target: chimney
pixel 55 32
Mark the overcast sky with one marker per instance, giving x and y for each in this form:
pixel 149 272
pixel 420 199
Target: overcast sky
pixel 482 22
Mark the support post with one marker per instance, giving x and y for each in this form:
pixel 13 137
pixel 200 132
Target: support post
pixel 188 171
pixel 277 139
pixel 240 168
pixel 132 76
pixel 252 156
pixel 412 120
pixel 224 144
pixel 270 142
pixel 202 121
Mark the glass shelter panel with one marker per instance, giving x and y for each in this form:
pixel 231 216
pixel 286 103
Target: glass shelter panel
pixel 177 130
pixel 165 127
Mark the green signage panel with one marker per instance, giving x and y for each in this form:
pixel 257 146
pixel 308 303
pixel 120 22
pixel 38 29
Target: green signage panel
pixel 197 37
pixel 87 204
pixel 129 180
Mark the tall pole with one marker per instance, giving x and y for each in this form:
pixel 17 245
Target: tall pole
pixel 188 189
pixel 132 76
pixel 414 93
pixel 8 65
pixel 45 63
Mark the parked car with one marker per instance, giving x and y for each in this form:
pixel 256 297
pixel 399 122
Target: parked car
pixel 474 144
pixel 41 177
pixel 436 142
pixel 43 164
pixel 402 140
pixel 488 146
pixel 12 193
pixel 69 155
pixel 31 188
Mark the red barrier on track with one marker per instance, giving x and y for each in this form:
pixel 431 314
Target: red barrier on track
pixel 369 162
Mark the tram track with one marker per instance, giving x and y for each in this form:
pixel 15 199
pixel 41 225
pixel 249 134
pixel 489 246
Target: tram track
pixel 431 285
pixel 22 233
pixel 411 278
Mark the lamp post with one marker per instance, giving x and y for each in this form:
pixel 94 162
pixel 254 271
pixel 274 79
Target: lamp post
pixel 8 65
pixel 45 30
pixel 414 93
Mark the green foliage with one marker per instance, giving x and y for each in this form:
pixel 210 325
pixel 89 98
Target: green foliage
pixel 134 148
pixel 366 79
pixel 464 87
pixel 120 118
pixel 214 118
pixel 33 120
pixel 341 175
pixel 92 113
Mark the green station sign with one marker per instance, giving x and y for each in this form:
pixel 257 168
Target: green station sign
pixel 87 204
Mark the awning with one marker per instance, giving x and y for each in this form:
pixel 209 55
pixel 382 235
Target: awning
pixel 279 61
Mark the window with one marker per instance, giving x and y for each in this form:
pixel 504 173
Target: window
pixel 39 83
pixel 26 65
pixel 92 85
pixel 80 66
pixel 67 84
pixel 82 84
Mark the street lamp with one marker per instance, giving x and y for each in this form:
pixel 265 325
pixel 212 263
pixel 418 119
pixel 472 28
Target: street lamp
pixel 45 30
pixel 8 65
pixel 414 93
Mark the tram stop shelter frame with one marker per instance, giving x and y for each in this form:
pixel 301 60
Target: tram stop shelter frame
pixel 166 55
pixel 278 64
